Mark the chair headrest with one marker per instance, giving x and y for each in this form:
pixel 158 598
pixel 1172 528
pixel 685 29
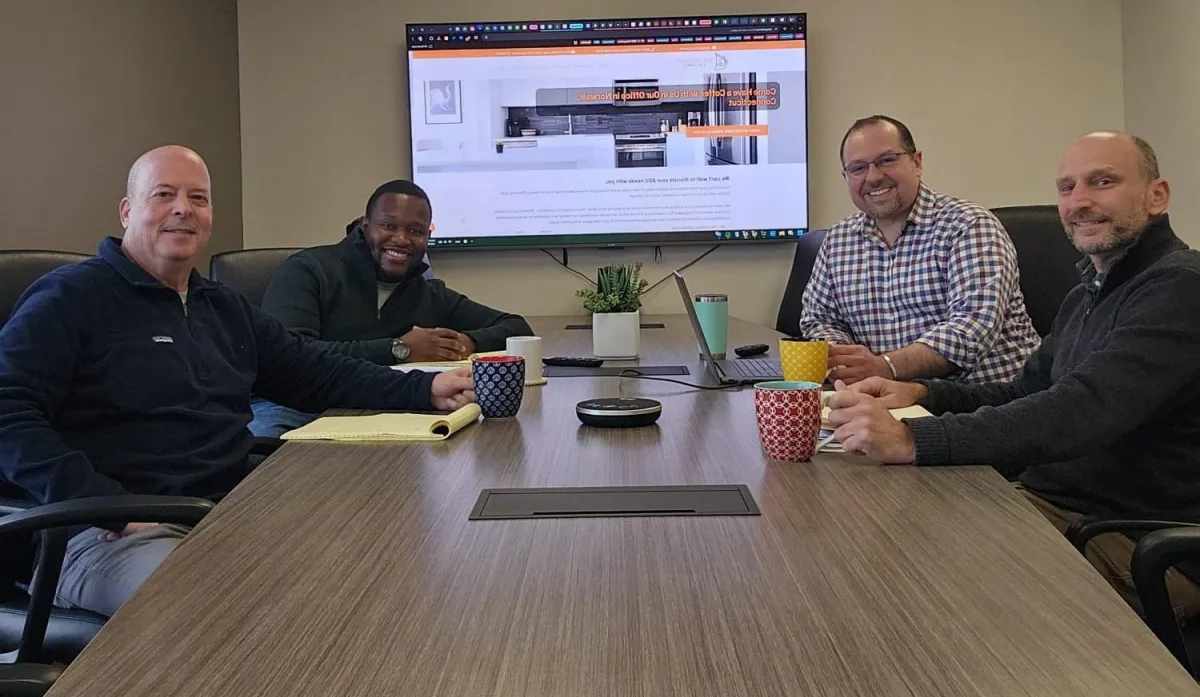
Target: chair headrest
pixel 20 268
pixel 249 271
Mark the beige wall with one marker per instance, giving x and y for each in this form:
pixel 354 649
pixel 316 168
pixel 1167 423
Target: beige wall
pixel 993 91
pixel 1162 97
pixel 86 86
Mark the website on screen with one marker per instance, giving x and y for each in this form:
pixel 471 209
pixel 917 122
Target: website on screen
pixel 601 136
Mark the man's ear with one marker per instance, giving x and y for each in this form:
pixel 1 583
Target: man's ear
pixel 123 213
pixel 1160 196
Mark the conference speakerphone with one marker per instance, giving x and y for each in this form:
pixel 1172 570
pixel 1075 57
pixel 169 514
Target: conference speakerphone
pixel 614 501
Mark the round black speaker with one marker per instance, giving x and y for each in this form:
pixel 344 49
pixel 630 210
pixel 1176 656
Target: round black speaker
pixel 618 412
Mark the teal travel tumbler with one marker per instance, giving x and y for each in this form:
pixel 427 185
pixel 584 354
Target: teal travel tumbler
pixel 712 309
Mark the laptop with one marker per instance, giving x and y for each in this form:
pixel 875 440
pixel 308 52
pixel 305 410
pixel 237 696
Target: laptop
pixel 741 371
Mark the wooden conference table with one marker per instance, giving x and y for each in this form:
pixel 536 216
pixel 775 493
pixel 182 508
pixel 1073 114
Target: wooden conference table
pixel 353 570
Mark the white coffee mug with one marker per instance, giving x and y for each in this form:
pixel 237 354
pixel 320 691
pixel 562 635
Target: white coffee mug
pixel 529 348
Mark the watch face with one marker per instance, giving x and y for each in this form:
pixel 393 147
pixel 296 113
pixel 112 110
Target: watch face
pixel 400 350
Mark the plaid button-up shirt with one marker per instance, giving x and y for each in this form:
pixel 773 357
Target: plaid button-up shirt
pixel 950 282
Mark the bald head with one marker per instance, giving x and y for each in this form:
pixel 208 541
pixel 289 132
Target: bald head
pixel 144 167
pixel 1147 158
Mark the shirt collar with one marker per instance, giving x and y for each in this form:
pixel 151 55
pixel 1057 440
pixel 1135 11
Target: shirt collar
pixel 110 250
pixel 1155 241
pixel 923 207
pixel 922 212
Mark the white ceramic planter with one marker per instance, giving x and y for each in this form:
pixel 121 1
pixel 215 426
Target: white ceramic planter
pixel 616 334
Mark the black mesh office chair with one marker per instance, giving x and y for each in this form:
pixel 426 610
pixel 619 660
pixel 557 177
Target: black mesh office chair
pixel 1046 259
pixel 1166 541
pixel 34 633
pixel 20 268
pixel 788 320
pixel 249 271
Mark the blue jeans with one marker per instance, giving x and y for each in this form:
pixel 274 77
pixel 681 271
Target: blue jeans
pixel 272 420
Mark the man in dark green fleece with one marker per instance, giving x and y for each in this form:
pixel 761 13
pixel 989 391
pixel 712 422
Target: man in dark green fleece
pixel 366 297
pixel 1105 416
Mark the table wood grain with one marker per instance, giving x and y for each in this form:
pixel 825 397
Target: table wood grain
pixel 351 569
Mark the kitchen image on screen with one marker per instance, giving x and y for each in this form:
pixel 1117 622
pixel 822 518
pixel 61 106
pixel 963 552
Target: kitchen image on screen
pixel 657 134
pixel 545 124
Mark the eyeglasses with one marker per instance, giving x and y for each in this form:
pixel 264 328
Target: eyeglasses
pixel 886 161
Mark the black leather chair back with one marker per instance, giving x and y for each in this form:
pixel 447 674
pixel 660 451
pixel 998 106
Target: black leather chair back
pixel 19 268
pixel 249 271
pixel 1046 258
pixel 65 636
pixel 788 319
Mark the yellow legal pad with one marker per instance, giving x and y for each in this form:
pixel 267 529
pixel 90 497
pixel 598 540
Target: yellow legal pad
pixel 387 427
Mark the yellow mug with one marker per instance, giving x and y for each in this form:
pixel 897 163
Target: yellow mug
pixel 804 361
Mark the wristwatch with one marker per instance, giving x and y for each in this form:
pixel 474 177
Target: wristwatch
pixel 400 350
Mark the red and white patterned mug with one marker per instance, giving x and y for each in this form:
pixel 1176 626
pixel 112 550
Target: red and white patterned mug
pixel 789 419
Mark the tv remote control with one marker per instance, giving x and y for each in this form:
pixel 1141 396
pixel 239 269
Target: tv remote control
pixel 564 361
pixel 751 350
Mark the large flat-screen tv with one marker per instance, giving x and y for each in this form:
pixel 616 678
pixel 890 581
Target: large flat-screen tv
pixel 611 132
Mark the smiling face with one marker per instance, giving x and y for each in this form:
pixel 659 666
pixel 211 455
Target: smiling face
pixel 882 176
pixel 167 211
pixel 1106 196
pixel 397 231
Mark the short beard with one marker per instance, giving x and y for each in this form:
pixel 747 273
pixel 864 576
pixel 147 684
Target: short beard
pixel 1125 233
pixel 385 277
pixel 891 212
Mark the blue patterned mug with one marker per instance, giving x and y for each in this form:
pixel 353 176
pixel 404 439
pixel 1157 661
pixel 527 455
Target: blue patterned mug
pixel 499 385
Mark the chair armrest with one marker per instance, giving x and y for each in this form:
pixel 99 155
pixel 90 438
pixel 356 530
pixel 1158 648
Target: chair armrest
pixel 107 509
pixel 264 446
pixel 1153 556
pixel 52 521
pixel 14 505
pixel 1082 530
pixel 27 679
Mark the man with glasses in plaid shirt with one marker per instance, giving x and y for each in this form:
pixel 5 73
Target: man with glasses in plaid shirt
pixel 917 284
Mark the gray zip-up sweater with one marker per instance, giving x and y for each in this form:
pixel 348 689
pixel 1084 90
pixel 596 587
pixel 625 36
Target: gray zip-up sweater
pixel 1105 415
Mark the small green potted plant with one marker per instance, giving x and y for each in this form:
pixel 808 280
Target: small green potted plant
pixel 615 304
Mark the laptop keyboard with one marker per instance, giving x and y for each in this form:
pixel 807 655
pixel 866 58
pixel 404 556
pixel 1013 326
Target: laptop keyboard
pixel 753 368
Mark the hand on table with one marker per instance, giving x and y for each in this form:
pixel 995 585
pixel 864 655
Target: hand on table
pixel 129 529
pixel 468 345
pixel 852 363
pixel 863 426
pixel 892 394
pixel 453 389
pixel 428 345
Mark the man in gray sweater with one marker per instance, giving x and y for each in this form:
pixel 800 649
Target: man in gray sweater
pixel 1105 415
